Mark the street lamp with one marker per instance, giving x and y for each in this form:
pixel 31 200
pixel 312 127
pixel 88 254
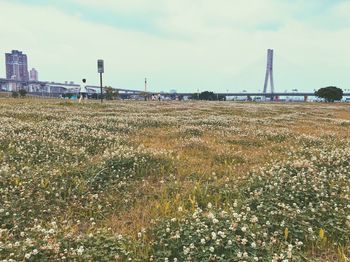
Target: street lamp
pixel 100 70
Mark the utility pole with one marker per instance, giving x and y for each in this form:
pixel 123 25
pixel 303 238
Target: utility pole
pixel 145 85
pixel 100 69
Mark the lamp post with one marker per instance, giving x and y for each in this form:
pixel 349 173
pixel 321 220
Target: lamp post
pixel 100 69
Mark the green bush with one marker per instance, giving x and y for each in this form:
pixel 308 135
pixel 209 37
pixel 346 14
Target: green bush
pixel 15 94
pixel 22 92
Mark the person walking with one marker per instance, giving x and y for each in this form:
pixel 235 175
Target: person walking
pixel 83 91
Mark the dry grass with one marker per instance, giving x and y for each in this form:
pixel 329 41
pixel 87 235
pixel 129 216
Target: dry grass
pixel 200 159
pixel 209 145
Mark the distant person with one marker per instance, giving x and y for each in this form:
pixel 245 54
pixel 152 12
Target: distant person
pixel 83 91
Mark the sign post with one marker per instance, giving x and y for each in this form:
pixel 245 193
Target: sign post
pixel 100 69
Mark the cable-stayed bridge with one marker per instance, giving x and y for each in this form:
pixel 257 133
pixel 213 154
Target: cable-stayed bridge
pixel 58 89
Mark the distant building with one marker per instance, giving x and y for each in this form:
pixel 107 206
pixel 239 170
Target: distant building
pixel 33 75
pixel 13 86
pixel 16 66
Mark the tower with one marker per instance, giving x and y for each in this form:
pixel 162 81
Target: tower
pixel 269 72
pixel 16 66
pixel 33 75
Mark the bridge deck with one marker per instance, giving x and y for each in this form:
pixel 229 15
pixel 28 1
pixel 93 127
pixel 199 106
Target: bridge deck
pixel 129 91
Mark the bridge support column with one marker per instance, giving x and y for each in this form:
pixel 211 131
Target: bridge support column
pixel 305 98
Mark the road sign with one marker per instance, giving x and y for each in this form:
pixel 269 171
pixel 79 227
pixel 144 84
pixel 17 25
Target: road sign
pixel 101 70
pixel 100 66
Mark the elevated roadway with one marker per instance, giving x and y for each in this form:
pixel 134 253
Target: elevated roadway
pixel 73 86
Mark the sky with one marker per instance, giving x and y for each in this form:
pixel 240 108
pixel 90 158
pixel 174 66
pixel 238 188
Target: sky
pixel 189 46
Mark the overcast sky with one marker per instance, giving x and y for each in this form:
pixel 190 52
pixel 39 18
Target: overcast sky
pixel 215 45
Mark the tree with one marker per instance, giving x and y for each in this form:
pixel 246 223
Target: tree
pixel 14 94
pixel 330 93
pixel 111 93
pixel 22 92
pixel 206 95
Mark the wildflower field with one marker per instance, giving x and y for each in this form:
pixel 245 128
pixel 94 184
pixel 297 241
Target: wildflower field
pixel 174 181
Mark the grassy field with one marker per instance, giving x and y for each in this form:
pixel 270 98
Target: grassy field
pixel 174 181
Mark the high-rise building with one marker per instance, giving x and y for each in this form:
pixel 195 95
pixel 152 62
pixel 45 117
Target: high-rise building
pixel 33 75
pixel 16 66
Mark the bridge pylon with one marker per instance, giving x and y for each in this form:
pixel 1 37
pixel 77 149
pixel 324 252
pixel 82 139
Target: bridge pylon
pixel 269 73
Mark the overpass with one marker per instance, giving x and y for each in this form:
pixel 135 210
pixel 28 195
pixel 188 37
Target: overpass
pixel 246 94
pixel 251 94
pixel 43 87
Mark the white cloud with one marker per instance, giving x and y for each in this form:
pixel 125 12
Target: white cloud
pixel 341 12
pixel 206 44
